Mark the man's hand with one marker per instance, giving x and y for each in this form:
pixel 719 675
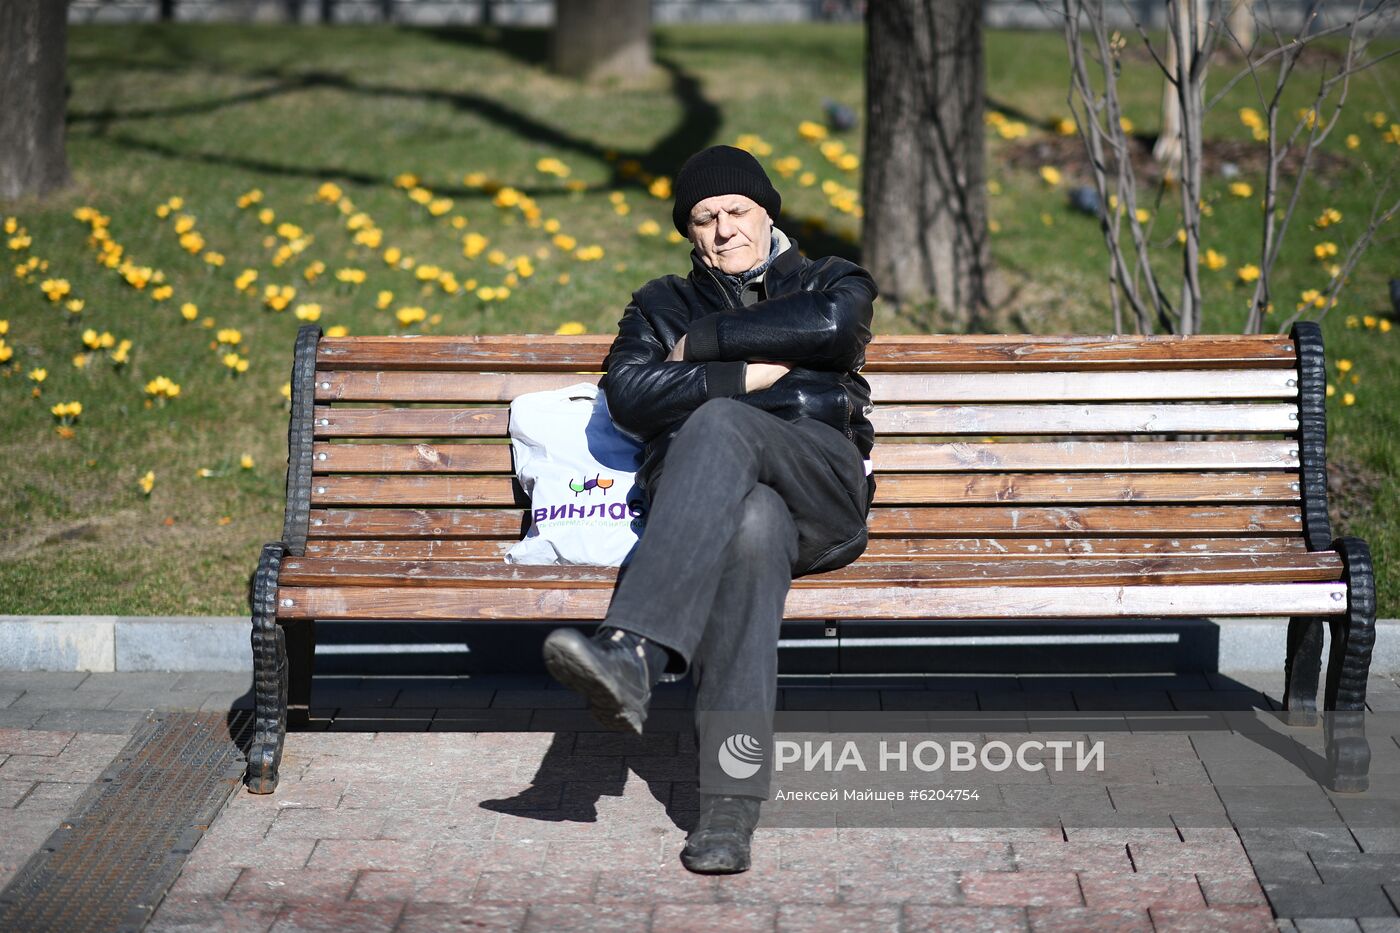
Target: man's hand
pixel 762 375
pixel 677 353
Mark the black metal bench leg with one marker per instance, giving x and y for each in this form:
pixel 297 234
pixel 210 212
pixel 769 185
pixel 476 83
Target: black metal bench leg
pixel 269 675
pixel 1348 666
pixel 1301 669
pixel 301 659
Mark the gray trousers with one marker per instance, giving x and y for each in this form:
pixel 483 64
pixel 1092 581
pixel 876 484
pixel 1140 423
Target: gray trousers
pixel 744 502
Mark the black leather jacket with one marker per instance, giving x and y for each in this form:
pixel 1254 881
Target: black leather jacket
pixel 816 316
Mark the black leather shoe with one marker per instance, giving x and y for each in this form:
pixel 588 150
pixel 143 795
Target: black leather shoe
pixel 719 843
pixel 610 670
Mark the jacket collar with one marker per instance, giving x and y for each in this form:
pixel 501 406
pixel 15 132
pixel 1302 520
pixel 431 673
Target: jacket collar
pixel 779 278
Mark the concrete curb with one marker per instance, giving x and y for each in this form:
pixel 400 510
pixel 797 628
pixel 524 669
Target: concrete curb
pixel 125 643
pixel 221 643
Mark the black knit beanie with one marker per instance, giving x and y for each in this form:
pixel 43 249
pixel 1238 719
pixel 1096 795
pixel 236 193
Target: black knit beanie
pixel 721 170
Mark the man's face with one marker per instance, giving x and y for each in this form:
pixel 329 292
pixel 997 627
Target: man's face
pixel 731 231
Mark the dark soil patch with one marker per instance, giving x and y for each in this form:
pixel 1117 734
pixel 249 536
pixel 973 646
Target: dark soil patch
pixel 1352 488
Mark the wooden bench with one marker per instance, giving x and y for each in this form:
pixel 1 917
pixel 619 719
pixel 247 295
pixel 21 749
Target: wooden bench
pixel 1088 503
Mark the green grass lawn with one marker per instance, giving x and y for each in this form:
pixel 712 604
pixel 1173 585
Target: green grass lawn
pixel 208 114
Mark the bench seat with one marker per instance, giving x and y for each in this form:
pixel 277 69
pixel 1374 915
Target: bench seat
pixel 1018 478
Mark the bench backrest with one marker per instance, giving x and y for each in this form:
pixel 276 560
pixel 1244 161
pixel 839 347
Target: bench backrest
pixel 985 445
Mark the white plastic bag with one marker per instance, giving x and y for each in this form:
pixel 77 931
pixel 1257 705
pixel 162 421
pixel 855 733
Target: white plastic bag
pixel 579 471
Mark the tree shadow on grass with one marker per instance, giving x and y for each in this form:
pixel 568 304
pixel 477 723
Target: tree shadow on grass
pixel 700 121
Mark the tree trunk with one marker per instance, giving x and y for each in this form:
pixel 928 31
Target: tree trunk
pixel 602 38
pixel 1167 150
pixel 166 10
pixel 925 229
pixel 33 57
pixel 1241 24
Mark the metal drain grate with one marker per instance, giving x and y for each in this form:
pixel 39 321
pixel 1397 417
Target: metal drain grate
pixel 109 864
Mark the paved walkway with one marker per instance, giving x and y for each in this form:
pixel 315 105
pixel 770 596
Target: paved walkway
pixel 494 803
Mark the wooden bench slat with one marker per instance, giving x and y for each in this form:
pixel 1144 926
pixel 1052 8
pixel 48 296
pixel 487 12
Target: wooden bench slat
pixel 1226 417
pixel 946 521
pixel 1081 571
pixel 906 489
pixel 931 521
pixel 419 386
pixel 1085 455
pixel 984 353
pixel 330 457
pixel 880 602
pixel 878 548
pixel 925 420
pixel 428 386
pixel 1074 386
pixel 475 457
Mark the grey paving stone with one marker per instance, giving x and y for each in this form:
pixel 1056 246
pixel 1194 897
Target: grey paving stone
pixel 379 725
pixel 1235 767
pixel 1382 695
pixel 1219 700
pixel 214 680
pixel 1318 925
pixel 928 699
pixel 9 696
pixel 1168 682
pixel 152 681
pixel 382 715
pixel 564 720
pixel 492 720
pixel 152 699
pixel 1328 900
pixel 227 700
pixel 828 698
pixel 1041 700
pixel 42 680
pixel 12 792
pixel 1357 868
pixel 107 721
pixel 52 796
pixel 50 698
pixel 1285 866
pixel 509 681
pixel 445 697
pixel 1380 924
pixel 1269 683
pixel 537 699
pixel 1103 683
pixel 19 718
pixel 1377 838
pixel 978 682
pixel 1182 800
pixel 1369 810
pixel 1300 838
pixel 357 692
pixel 1122 700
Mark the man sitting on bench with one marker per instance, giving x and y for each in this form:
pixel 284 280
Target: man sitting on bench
pixel 742 379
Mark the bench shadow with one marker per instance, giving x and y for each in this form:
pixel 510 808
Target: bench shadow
pixel 429 684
